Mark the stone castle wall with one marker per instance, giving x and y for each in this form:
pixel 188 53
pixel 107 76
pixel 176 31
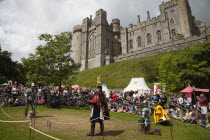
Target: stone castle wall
pixel 165 47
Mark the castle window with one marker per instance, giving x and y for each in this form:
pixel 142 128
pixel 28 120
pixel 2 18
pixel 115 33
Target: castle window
pixel 91 47
pixel 149 38
pixel 173 33
pixel 139 41
pixel 166 14
pixel 172 21
pixel 172 11
pixel 155 24
pixel 159 35
pixel 131 44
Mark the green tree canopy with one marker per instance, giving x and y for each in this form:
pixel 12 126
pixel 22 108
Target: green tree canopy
pixel 169 74
pixel 51 62
pixel 9 69
pixel 195 65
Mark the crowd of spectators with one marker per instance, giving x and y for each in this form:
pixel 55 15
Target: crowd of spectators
pixel 177 106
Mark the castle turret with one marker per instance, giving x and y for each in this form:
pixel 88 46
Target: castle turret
pixel 116 25
pixel 185 17
pixel 84 50
pixel 139 21
pixel 100 18
pixel 148 15
pixel 77 43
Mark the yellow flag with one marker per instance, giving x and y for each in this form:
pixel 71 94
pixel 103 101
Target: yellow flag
pixel 99 79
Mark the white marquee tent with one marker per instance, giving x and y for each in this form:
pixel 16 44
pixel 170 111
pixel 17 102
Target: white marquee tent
pixel 105 89
pixel 138 84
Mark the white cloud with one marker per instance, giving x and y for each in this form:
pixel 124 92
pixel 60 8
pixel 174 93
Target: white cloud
pixel 21 21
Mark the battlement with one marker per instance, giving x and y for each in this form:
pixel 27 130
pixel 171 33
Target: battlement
pixel 85 20
pixel 77 28
pixel 115 21
pixel 101 12
pixel 143 24
pixel 169 4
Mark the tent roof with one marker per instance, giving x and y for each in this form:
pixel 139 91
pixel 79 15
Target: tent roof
pixel 202 90
pixel 105 89
pixel 5 84
pixel 75 86
pixel 188 89
pixel 137 84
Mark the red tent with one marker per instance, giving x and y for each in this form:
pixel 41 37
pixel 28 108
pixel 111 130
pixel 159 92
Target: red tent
pixel 75 86
pixel 191 92
pixel 188 89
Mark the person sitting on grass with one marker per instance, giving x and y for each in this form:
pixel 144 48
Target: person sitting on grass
pixel 126 110
pixel 113 107
pixel 131 109
pixel 120 109
pixel 186 117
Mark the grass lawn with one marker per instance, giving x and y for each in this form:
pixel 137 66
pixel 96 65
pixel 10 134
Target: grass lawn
pixel 120 127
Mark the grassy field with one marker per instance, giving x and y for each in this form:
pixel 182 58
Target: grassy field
pixel 121 126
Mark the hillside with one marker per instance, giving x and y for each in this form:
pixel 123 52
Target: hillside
pixel 118 75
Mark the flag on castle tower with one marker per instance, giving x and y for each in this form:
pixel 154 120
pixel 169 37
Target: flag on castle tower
pixel 99 79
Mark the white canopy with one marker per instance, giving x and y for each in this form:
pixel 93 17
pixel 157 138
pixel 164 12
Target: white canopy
pixel 105 89
pixel 138 84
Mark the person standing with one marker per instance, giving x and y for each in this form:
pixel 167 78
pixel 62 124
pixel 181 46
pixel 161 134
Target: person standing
pixel 31 99
pixel 203 104
pixel 180 101
pixel 98 110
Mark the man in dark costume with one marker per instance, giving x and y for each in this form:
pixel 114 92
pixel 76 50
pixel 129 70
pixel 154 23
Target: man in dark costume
pixel 98 109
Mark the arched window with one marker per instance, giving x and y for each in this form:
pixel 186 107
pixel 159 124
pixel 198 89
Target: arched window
pixel 131 44
pixel 159 35
pixel 149 38
pixel 139 41
pixel 91 47
pixel 173 33
pixel 92 42
pixel 172 22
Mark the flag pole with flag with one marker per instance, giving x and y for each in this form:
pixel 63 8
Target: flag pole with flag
pixel 98 80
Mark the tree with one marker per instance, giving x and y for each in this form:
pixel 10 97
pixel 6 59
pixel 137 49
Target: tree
pixel 168 74
pixel 51 62
pixel 9 69
pixel 195 65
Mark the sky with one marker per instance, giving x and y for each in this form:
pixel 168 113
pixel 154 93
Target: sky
pixel 22 21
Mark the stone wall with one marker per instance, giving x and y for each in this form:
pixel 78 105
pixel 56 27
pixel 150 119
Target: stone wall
pixel 165 47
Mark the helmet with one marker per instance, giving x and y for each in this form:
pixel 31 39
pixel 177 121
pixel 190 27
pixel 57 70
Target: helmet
pixel 145 103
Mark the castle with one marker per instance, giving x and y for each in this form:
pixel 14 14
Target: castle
pixel 97 43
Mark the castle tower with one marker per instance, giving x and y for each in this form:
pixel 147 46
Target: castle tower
pixel 117 50
pixel 77 43
pixel 185 17
pixel 116 25
pixel 101 40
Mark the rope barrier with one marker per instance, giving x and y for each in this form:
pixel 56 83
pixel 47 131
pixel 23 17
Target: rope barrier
pixel 14 121
pixel 9 115
pixel 43 133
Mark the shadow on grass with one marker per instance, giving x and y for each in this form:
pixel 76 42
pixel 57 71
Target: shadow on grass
pixel 43 116
pixel 113 132
pixel 67 107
